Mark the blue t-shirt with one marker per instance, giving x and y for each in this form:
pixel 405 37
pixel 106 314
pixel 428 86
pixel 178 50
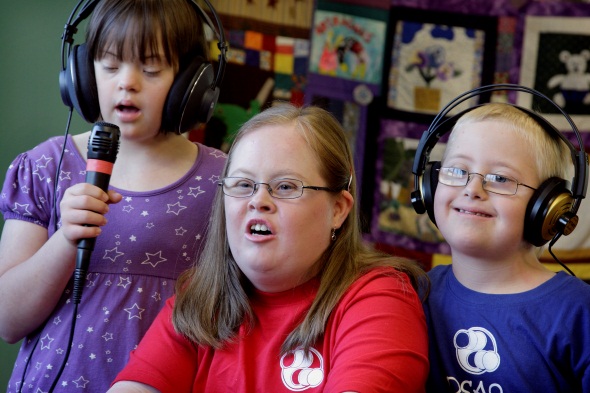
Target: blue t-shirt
pixel 535 341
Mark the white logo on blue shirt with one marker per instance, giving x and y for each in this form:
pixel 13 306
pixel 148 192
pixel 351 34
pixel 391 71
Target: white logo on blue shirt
pixel 477 352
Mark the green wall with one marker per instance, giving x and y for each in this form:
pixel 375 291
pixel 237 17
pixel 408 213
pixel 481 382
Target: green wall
pixel 31 109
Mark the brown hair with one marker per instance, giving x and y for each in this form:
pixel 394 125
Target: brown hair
pixel 140 24
pixel 212 300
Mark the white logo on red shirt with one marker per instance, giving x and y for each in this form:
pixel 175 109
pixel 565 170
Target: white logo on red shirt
pixel 300 372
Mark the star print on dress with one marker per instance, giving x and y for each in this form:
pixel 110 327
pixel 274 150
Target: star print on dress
pixel 65 176
pixel 121 273
pixel 175 208
pixel 195 191
pixel 157 259
pixel 112 254
pixel 124 282
pixel 46 342
pixel 81 382
pixel 22 209
pixel 134 311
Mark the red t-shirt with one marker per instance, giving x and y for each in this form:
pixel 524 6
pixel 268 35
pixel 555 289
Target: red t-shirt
pixel 375 341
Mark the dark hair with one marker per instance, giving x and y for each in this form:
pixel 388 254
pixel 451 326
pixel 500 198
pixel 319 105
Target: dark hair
pixel 139 25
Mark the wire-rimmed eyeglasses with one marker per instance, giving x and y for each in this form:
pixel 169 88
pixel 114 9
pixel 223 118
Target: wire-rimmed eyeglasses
pixel 491 182
pixel 283 188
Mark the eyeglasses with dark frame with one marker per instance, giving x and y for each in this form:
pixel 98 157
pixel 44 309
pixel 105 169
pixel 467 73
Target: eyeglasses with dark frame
pixel 491 182
pixel 282 188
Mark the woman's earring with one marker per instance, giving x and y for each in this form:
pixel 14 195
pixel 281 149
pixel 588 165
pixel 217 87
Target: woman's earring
pixel 333 237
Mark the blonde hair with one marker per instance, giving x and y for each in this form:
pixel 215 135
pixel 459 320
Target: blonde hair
pixel 549 148
pixel 212 300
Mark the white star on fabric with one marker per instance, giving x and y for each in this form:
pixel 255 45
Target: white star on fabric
pixel 217 154
pixel 112 254
pixel 178 209
pixel 81 382
pixel 39 174
pixel 46 342
pixel 64 175
pixel 22 209
pixel 154 263
pixel 43 161
pixel 214 179
pixel 195 191
pixel 180 231
pixel 124 282
pixel 134 311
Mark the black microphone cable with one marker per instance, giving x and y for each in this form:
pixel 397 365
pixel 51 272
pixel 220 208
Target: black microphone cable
pixel 55 228
pixel 103 146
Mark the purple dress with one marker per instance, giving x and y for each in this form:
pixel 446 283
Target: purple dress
pixel 150 238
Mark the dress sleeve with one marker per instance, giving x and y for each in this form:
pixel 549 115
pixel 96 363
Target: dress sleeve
pixel 378 337
pixel 26 194
pixel 163 359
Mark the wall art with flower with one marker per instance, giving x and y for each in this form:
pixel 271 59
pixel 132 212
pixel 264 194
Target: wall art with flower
pixel 435 57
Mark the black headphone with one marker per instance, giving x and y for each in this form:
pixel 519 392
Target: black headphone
pixel 191 99
pixel 552 208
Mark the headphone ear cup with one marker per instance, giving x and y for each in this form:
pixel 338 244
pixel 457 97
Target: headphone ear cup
pixel 551 202
pixel 77 84
pixel 192 98
pixel 429 184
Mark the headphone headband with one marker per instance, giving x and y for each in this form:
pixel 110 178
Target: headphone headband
pixel 442 125
pixel 87 6
pixel 552 209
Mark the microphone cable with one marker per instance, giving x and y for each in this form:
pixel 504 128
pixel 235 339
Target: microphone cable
pixel 55 229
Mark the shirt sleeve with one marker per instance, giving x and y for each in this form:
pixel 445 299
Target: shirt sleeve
pixel 26 193
pixel 164 359
pixel 378 337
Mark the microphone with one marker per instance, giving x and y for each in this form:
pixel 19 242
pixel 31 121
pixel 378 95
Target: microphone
pixel 103 146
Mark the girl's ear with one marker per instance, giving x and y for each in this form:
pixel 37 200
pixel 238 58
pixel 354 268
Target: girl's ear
pixel 342 206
